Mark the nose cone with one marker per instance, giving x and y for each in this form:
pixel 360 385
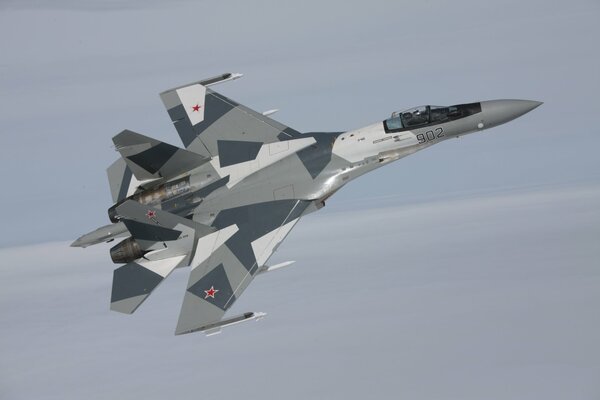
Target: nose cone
pixel 496 112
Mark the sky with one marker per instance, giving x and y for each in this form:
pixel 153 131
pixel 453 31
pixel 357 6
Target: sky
pixel 465 271
pixel 74 74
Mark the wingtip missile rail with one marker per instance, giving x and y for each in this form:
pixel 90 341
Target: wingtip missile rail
pixel 269 268
pixel 215 328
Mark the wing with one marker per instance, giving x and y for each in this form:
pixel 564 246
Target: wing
pixel 203 118
pixel 219 277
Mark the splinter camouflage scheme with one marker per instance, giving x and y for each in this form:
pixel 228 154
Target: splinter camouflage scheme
pixel 224 203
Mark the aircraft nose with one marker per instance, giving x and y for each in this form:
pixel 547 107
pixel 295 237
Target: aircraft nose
pixel 496 112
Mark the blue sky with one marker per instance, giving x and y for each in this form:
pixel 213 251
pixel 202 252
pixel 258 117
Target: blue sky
pixel 469 270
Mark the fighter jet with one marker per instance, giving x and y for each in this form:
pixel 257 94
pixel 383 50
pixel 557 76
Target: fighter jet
pixel 224 203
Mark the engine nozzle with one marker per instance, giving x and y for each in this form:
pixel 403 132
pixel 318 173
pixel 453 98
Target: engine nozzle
pixel 126 251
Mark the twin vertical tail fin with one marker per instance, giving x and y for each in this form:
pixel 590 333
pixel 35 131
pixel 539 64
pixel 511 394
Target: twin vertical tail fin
pixel 121 180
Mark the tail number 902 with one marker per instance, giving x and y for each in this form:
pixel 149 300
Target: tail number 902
pixel 430 135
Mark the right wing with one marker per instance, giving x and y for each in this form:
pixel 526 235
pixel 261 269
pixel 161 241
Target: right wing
pixel 222 270
pixel 207 120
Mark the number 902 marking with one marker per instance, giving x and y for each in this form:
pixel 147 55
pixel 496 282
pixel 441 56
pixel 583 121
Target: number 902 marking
pixel 430 135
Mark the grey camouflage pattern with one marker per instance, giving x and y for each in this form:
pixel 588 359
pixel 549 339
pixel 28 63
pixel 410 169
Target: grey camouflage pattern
pixel 224 203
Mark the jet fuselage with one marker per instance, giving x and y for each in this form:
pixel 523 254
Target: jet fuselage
pixel 224 203
pixel 337 158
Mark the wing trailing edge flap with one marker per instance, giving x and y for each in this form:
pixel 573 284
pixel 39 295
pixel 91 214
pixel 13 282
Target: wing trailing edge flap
pixel 168 241
pixel 150 159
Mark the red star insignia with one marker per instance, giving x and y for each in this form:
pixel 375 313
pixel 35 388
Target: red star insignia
pixel 196 107
pixel 210 292
pixel 151 214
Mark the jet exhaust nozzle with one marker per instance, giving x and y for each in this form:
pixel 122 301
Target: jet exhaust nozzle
pixel 126 251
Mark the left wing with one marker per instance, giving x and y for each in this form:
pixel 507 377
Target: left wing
pixel 219 277
pixel 209 123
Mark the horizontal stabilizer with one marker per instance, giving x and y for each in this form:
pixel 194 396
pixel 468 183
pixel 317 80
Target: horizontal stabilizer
pixel 133 282
pixel 150 159
pixel 134 211
pixel 150 226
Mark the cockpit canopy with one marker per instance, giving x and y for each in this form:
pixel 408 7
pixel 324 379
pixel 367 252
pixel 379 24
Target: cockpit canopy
pixel 426 115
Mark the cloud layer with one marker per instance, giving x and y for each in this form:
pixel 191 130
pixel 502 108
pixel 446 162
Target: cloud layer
pixel 492 297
